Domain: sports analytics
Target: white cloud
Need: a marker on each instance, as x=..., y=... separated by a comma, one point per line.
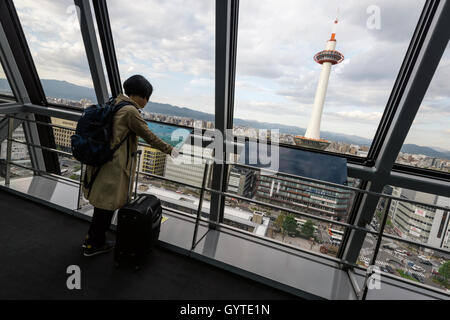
x=359, y=115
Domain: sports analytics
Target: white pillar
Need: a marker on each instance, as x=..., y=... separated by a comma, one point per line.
x=313, y=130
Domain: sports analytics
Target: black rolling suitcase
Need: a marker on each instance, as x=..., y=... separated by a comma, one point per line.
x=138, y=226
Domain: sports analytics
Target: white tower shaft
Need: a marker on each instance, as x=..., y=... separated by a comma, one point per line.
x=313, y=130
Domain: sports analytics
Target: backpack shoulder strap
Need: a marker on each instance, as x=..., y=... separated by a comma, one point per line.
x=121, y=104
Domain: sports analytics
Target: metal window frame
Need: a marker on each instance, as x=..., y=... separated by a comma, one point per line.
x=18, y=87
x=92, y=50
x=227, y=16
x=26, y=68
x=109, y=52
x=434, y=42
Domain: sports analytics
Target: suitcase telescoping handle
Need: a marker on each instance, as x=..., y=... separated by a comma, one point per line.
x=138, y=152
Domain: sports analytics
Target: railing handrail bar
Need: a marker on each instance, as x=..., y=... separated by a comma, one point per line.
x=42, y=147
x=41, y=123
x=46, y=173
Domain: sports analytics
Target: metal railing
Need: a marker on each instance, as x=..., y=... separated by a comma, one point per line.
x=199, y=220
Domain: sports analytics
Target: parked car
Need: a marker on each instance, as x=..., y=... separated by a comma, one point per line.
x=394, y=262
x=426, y=262
x=418, y=268
x=387, y=269
x=400, y=252
x=435, y=271
x=417, y=277
x=390, y=269
x=390, y=246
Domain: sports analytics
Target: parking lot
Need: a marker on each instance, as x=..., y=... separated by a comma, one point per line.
x=389, y=260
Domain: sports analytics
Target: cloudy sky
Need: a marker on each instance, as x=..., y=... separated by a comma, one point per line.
x=172, y=43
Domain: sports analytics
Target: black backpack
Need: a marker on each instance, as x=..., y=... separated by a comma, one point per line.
x=91, y=141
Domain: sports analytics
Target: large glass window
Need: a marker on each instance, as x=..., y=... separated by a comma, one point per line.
x=277, y=77
x=171, y=43
x=53, y=34
x=5, y=89
x=428, y=142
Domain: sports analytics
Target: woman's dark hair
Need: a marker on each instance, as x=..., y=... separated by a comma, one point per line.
x=137, y=85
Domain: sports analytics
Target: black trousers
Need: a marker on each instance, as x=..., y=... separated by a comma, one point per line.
x=100, y=223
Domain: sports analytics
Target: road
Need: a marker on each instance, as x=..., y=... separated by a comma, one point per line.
x=394, y=260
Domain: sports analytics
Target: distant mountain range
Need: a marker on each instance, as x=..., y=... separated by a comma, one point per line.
x=64, y=89
x=431, y=152
x=60, y=89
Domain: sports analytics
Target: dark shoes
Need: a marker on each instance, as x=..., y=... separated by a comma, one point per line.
x=85, y=243
x=89, y=250
x=92, y=251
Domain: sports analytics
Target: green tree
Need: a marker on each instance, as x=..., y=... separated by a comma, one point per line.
x=279, y=222
x=444, y=271
x=308, y=229
x=289, y=225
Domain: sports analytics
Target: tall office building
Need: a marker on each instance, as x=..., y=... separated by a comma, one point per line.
x=420, y=223
x=326, y=58
x=440, y=229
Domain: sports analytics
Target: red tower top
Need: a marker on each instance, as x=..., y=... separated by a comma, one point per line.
x=332, y=56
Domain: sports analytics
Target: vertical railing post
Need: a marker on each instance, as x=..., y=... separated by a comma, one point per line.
x=200, y=204
x=9, y=150
x=377, y=248
x=80, y=186
x=139, y=154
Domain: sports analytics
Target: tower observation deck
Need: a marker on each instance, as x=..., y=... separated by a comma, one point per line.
x=326, y=58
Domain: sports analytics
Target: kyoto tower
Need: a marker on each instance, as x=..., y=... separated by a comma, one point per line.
x=326, y=58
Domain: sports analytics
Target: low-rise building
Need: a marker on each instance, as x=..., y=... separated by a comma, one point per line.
x=152, y=160
x=62, y=135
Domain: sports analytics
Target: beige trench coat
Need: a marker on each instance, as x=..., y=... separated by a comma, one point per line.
x=110, y=188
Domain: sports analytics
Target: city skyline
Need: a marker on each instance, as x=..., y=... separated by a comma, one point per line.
x=286, y=137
